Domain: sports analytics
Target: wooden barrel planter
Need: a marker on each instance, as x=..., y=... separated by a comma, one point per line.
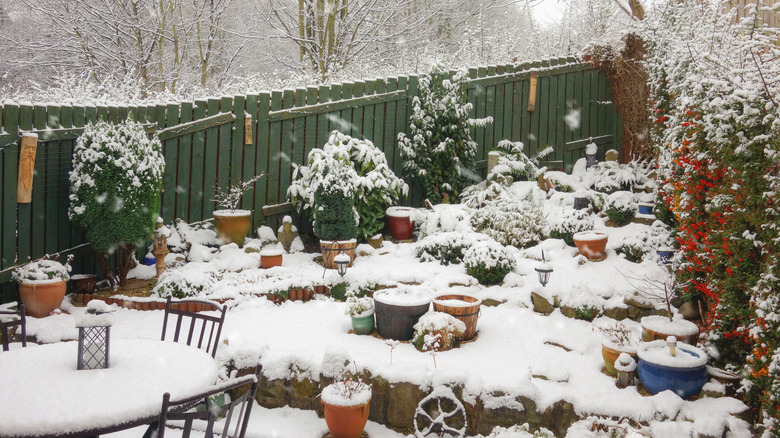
x=463, y=307
x=331, y=248
x=397, y=313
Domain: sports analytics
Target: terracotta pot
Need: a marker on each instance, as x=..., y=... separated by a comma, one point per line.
x=270, y=258
x=401, y=225
x=610, y=355
x=468, y=312
x=591, y=244
x=40, y=299
x=345, y=421
x=83, y=283
x=658, y=327
x=232, y=227
x=331, y=248
x=300, y=294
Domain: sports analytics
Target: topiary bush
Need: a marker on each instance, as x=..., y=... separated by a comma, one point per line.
x=375, y=186
x=115, y=190
x=569, y=222
x=488, y=261
x=335, y=215
x=620, y=207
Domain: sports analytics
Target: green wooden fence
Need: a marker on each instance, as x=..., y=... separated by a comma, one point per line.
x=204, y=143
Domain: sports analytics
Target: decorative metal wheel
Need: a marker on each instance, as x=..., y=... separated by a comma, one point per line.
x=440, y=414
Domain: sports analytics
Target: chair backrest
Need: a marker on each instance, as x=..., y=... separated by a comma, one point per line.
x=195, y=328
x=12, y=318
x=203, y=411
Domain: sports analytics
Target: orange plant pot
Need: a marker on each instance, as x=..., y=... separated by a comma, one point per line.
x=40, y=299
x=591, y=244
x=610, y=355
x=232, y=227
x=270, y=258
x=345, y=421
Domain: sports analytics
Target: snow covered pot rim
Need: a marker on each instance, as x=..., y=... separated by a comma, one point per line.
x=590, y=235
x=457, y=300
x=271, y=252
x=228, y=213
x=657, y=353
x=398, y=211
x=347, y=393
x=677, y=327
x=402, y=297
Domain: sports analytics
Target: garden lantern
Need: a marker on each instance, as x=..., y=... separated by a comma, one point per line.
x=625, y=365
x=590, y=155
x=342, y=261
x=544, y=270
x=94, y=334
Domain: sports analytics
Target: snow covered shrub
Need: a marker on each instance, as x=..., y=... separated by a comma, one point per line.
x=511, y=221
x=568, y=222
x=436, y=331
x=488, y=261
x=45, y=269
x=446, y=218
x=597, y=201
x=115, y=190
x=645, y=244
x=193, y=280
x=374, y=186
x=610, y=176
x=448, y=247
x=339, y=292
x=439, y=152
x=513, y=162
x=359, y=307
x=620, y=207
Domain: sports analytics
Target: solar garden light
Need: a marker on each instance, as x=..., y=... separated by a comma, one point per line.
x=590, y=155
x=94, y=333
x=626, y=370
x=544, y=270
x=342, y=261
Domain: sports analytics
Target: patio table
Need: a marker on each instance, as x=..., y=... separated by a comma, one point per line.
x=43, y=394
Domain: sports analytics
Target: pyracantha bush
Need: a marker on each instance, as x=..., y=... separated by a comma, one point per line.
x=439, y=153
x=511, y=221
x=373, y=184
x=488, y=261
x=115, y=190
x=620, y=207
x=447, y=248
x=512, y=161
x=192, y=280
x=568, y=222
x=43, y=270
x=436, y=331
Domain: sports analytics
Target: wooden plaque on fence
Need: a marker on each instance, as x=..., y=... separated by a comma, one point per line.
x=24, y=182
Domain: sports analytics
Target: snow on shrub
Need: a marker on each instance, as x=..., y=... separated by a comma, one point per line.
x=448, y=247
x=439, y=153
x=488, y=261
x=513, y=162
x=568, y=221
x=620, y=207
x=644, y=245
x=192, y=280
x=366, y=177
x=445, y=218
x=436, y=331
x=115, y=190
x=510, y=220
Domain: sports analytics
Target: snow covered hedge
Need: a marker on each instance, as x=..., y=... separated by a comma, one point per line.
x=362, y=174
x=115, y=189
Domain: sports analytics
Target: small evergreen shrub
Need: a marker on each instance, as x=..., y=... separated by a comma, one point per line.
x=115, y=190
x=446, y=248
x=436, y=331
x=569, y=222
x=511, y=221
x=620, y=207
x=512, y=161
x=644, y=245
x=488, y=261
x=339, y=291
x=335, y=216
x=192, y=280
x=586, y=312
x=446, y=218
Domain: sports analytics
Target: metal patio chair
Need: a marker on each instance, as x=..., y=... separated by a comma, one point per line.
x=13, y=319
x=195, y=328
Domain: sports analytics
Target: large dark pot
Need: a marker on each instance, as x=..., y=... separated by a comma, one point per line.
x=395, y=319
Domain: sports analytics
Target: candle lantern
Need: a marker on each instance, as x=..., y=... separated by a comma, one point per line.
x=544, y=270
x=625, y=365
x=94, y=335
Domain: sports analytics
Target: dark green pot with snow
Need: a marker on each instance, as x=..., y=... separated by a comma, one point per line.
x=363, y=325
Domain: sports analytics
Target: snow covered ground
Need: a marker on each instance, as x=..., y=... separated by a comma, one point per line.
x=517, y=350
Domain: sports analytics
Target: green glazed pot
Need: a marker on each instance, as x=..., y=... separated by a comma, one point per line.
x=363, y=325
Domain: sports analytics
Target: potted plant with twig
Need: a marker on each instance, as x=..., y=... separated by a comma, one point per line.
x=345, y=404
x=42, y=285
x=617, y=339
x=231, y=223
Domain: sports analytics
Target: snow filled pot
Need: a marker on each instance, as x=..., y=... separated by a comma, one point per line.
x=345, y=406
x=685, y=373
x=331, y=248
x=270, y=258
x=363, y=325
x=397, y=311
x=401, y=223
x=232, y=225
x=462, y=307
x=659, y=327
x=591, y=244
x=42, y=297
x=611, y=351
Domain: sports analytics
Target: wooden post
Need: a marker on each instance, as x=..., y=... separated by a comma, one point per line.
x=26, y=168
x=532, y=93
x=248, y=129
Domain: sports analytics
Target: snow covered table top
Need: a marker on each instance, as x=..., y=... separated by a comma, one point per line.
x=45, y=395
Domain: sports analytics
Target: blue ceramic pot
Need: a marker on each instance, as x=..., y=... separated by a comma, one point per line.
x=685, y=380
x=645, y=208
x=150, y=261
x=665, y=256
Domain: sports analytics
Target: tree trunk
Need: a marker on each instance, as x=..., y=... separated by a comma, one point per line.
x=102, y=259
x=125, y=261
